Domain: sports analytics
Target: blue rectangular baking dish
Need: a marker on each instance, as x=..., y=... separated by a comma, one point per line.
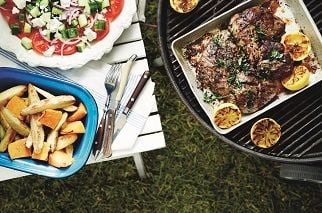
x=10, y=77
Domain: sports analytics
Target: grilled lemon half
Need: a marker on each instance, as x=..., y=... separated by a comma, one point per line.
x=183, y=6
x=298, y=79
x=297, y=44
x=226, y=115
x=265, y=133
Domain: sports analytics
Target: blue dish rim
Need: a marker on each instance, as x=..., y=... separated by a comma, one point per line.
x=54, y=85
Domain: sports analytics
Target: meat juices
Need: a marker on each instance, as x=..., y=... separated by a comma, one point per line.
x=245, y=63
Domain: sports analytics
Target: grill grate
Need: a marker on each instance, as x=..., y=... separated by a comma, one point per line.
x=300, y=116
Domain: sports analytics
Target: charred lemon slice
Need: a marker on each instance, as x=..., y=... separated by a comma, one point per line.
x=297, y=44
x=183, y=6
x=265, y=133
x=298, y=79
x=226, y=115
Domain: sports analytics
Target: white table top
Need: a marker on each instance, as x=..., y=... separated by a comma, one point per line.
x=151, y=137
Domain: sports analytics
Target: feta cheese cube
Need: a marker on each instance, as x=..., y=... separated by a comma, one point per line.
x=20, y=3
x=15, y=10
x=90, y=34
x=46, y=17
x=53, y=25
x=100, y=17
x=38, y=22
x=65, y=3
x=49, y=52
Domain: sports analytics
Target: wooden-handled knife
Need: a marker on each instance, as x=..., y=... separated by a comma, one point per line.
x=122, y=118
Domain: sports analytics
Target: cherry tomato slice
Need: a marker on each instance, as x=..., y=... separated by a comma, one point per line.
x=114, y=9
x=39, y=44
x=6, y=10
x=69, y=49
x=101, y=34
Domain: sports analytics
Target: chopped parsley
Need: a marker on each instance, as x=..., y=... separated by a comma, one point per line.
x=220, y=62
x=217, y=40
x=265, y=74
x=233, y=80
x=210, y=97
x=275, y=55
x=243, y=64
x=260, y=33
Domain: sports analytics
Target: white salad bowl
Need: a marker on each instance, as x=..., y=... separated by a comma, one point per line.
x=12, y=44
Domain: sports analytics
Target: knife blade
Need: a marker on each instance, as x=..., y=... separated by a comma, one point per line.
x=115, y=100
x=122, y=118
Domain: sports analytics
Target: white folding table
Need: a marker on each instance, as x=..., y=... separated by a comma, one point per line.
x=151, y=137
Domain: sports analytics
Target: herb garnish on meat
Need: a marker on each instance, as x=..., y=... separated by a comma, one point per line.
x=210, y=97
x=260, y=33
x=234, y=80
x=243, y=64
x=217, y=41
x=275, y=55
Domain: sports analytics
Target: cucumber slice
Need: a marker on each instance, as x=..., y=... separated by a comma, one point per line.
x=15, y=29
x=99, y=25
x=35, y=12
x=56, y=11
x=82, y=20
x=43, y=3
x=26, y=43
x=21, y=17
x=72, y=32
x=80, y=47
x=74, y=22
x=27, y=28
x=82, y=3
x=2, y=2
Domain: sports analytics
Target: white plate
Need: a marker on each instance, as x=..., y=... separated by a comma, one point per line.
x=12, y=44
x=292, y=9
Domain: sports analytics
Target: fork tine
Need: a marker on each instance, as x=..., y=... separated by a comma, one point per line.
x=117, y=73
x=110, y=73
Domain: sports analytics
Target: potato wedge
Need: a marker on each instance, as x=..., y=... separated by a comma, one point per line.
x=56, y=102
x=53, y=134
x=29, y=141
x=19, y=126
x=2, y=132
x=17, y=149
x=6, y=95
x=37, y=133
x=79, y=114
x=33, y=96
x=8, y=138
x=73, y=127
x=43, y=92
x=70, y=150
x=65, y=140
x=60, y=159
x=15, y=105
x=3, y=121
x=48, y=95
x=71, y=108
x=43, y=155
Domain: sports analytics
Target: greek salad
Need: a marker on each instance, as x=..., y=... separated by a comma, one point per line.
x=61, y=27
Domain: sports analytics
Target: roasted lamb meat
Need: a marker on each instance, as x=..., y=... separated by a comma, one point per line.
x=244, y=63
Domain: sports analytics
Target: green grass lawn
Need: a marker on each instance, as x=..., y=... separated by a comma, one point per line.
x=195, y=173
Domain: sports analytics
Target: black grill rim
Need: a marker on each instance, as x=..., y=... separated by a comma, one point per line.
x=163, y=46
